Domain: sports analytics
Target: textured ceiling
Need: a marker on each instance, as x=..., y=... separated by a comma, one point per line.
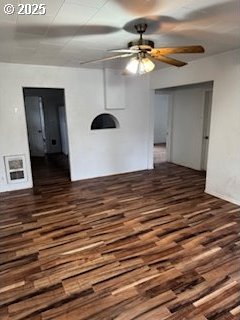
x=79, y=30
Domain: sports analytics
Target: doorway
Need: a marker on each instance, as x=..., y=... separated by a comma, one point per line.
x=47, y=134
x=185, y=125
x=161, y=129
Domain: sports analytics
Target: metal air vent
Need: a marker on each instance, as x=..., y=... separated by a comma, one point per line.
x=15, y=168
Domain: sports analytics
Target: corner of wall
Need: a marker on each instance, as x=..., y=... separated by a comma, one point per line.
x=221, y=196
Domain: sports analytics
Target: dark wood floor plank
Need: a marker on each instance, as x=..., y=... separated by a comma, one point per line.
x=142, y=245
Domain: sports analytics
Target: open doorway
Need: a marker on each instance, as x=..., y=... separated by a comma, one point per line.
x=161, y=124
x=182, y=117
x=47, y=134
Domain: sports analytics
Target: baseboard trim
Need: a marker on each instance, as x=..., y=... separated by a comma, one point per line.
x=223, y=197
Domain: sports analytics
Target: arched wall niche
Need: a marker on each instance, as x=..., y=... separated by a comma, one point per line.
x=104, y=121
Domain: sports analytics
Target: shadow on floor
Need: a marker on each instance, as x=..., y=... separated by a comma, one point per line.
x=51, y=169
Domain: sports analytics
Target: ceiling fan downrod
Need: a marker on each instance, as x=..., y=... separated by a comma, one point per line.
x=142, y=44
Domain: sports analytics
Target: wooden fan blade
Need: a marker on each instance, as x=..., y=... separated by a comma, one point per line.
x=63, y=30
x=125, y=50
x=173, y=50
x=174, y=62
x=108, y=58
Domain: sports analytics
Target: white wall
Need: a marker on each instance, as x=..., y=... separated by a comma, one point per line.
x=223, y=169
x=92, y=153
x=160, y=118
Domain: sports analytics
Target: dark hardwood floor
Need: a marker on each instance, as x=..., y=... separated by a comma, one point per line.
x=145, y=245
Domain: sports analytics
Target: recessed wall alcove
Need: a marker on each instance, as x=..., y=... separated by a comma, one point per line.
x=105, y=121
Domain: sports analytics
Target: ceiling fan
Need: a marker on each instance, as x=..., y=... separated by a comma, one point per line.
x=143, y=49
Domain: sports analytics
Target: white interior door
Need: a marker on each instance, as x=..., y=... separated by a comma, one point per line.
x=35, y=126
x=206, y=128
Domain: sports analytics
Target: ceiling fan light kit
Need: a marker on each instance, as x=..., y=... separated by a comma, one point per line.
x=140, y=65
x=143, y=50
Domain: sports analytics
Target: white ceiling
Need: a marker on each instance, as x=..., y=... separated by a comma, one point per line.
x=80, y=30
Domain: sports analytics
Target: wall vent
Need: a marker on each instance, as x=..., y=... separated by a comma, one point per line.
x=15, y=168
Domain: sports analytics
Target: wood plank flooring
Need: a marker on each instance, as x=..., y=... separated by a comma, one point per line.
x=145, y=245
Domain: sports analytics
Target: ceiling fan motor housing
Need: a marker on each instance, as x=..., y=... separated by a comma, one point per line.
x=142, y=44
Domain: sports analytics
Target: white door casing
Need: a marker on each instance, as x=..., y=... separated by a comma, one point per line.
x=206, y=128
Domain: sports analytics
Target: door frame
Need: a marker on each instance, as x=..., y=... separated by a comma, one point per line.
x=207, y=113
x=25, y=117
x=169, y=128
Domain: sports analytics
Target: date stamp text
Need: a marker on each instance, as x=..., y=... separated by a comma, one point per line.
x=25, y=9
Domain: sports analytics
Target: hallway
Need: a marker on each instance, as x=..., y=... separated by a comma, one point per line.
x=159, y=153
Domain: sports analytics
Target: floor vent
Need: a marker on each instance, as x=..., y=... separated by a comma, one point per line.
x=15, y=169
